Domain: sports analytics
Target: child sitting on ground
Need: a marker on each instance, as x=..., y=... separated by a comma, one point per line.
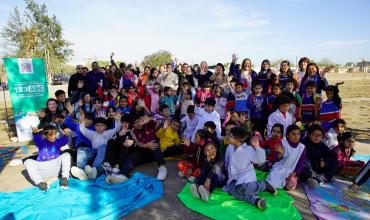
x=331, y=137
x=284, y=174
x=212, y=174
x=190, y=167
x=242, y=183
x=49, y=161
x=99, y=140
x=274, y=149
x=169, y=140
x=344, y=152
x=321, y=163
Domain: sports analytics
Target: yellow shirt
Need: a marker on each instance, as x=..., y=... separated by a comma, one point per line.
x=167, y=138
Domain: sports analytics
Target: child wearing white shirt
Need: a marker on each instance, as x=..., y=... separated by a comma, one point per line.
x=242, y=183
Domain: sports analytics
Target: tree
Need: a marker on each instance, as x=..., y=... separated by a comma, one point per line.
x=157, y=59
x=36, y=34
x=325, y=62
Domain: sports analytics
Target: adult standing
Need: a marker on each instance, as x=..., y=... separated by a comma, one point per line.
x=313, y=75
x=219, y=77
x=245, y=74
x=94, y=78
x=169, y=78
x=75, y=79
x=204, y=75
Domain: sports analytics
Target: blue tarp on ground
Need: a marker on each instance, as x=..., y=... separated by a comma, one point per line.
x=82, y=200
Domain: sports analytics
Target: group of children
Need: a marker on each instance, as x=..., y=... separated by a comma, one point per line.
x=224, y=125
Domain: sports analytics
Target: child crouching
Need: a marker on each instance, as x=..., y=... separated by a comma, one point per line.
x=49, y=161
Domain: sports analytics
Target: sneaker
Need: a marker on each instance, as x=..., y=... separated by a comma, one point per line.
x=261, y=203
x=107, y=167
x=43, y=186
x=64, y=183
x=79, y=173
x=194, y=191
x=162, y=172
x=271, y=189
x=312, y=183
x=115, y=171
x=192, y=179
x=203, y=193
x=115, y=178
x=180, y=174
x=91, y=172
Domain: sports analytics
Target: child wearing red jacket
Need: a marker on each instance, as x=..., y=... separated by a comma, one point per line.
x=190, y=167
x=273, y=147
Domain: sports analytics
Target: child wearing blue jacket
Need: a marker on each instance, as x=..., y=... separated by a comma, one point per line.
x=256, y=105
x=50, y=162
x=169, y=99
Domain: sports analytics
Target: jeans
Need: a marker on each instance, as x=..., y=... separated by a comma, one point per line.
x=247, y=191
x=85, y=154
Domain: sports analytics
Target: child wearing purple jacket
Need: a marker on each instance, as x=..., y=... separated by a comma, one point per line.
x=49, y=161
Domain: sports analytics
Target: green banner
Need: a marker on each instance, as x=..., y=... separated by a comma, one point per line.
x=28, y=91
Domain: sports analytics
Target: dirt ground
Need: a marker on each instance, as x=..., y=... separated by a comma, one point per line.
x=356, y=111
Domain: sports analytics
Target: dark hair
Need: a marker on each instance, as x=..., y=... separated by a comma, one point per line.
x=310, y=84
x=336, y=98
x=151, y=75
x=126, y=118
x=59, y=92
x=342, y=137
x=257, y=83
x=163, y=107
x=166, y=89
x=231, y=123
x=239, y=84
x=190, y=109
x=210, y=102
x=206, y=84
x=313, y=128
x=239, y=133
x=48, y=128
x=210, y=124
x=303, y=59
x=100, y=120
x=265, y=61
x=276, y=85
x=282, y=99
x=290, y=73
x=338, y=121
x=89, y=115
x=280, y=126
x=292, y=128
x=221, y=65
x=97, y=98
x=291, y=80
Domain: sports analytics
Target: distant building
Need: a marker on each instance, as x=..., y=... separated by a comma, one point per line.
x=364, y=66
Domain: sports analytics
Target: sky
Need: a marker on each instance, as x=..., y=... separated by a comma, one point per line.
x=212, y=30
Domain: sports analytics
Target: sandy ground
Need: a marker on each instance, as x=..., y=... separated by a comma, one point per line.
x=356, y=97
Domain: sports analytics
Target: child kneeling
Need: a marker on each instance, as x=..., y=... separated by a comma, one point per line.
x=242, y=183
x=212, y=174
x=49, y=161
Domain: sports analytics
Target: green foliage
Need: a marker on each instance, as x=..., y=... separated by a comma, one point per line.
x=36, y=34
x=325, y=62
x=157, y=59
